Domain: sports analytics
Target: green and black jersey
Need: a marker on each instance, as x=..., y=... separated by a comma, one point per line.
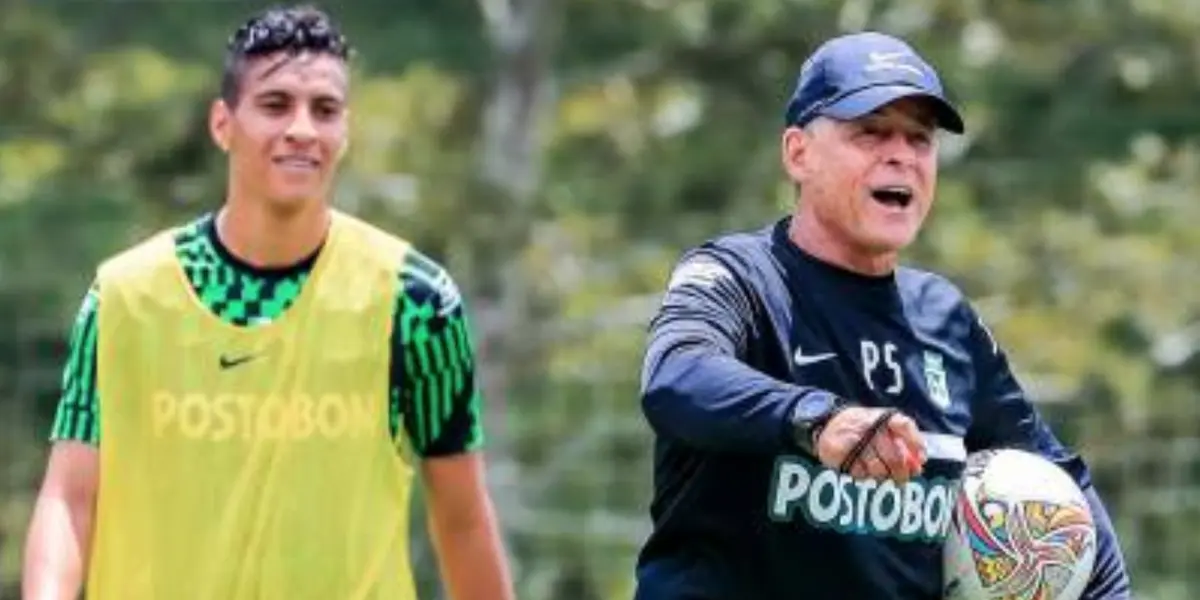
x=437, y=420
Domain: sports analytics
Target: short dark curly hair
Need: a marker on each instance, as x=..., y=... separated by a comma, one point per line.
x=295, y=29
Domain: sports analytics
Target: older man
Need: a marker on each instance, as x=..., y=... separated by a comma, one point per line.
x=813, y=401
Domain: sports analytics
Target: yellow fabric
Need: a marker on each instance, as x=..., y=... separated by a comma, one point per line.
x=274, y=478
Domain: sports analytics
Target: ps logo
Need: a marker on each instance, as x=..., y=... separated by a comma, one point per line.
x=873, y=357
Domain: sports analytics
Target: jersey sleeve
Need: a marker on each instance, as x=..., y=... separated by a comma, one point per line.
x=435, y=395
x=1005, y=417
x=697, y=384
x=77, y=416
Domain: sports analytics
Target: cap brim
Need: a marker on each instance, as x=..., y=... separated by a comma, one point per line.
x=870, y=99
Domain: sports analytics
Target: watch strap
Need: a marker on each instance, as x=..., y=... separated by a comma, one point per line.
x=807, y=426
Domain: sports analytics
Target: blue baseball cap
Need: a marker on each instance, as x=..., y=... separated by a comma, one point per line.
x=852, y=75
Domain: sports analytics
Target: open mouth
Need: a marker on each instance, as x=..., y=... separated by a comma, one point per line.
x=898, y=196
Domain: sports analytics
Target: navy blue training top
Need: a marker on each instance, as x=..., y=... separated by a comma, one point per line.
x=749, y=325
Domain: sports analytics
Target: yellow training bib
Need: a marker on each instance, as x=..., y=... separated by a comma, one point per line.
x=250, y=463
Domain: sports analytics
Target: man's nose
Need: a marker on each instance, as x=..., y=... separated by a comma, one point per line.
x=301, y=128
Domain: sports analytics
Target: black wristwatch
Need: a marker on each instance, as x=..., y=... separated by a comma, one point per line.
x=810, y=416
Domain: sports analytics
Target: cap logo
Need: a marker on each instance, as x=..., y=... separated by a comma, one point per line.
x=886, y=61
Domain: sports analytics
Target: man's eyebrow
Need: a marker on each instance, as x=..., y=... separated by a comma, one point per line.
x=272, y=94
x=319, y=97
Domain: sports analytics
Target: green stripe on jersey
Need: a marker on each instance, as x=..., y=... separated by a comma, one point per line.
x=75, y=418
x=438, y=360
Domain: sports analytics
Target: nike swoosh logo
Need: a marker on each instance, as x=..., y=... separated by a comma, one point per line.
x=229, y=363
x=803, y=359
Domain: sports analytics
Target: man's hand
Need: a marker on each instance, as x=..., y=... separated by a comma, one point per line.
x=896, y=451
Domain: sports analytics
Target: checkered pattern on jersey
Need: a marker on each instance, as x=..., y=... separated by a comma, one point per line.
x=236, y=295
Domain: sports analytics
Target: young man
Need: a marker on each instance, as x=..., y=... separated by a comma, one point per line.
x=248, y=395
x=776, y=352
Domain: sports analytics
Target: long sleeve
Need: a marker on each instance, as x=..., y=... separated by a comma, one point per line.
x=696, y=386
x=1005, y=417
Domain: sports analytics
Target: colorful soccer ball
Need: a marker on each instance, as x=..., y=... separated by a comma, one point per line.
x=1021, y=529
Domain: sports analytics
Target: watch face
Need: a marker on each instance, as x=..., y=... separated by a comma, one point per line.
x=812, y=409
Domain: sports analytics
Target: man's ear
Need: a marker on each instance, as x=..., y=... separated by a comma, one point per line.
x=794, y=152
x=220, y=119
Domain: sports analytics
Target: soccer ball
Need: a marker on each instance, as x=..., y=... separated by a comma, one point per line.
x=1021, y=529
